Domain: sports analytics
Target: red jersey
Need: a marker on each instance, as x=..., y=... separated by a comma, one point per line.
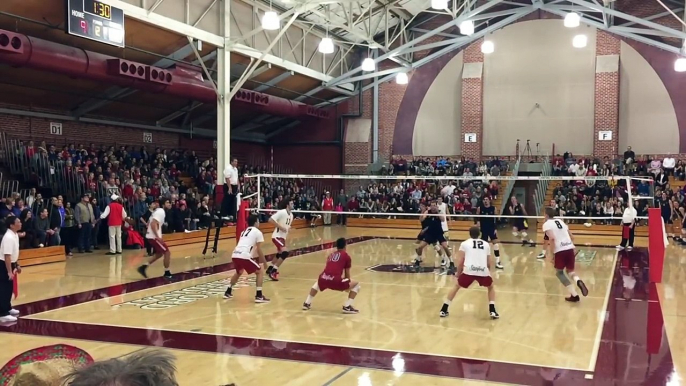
x=336, y=265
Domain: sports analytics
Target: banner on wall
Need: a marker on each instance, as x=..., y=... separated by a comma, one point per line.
x=55, y=128
x=147, y=137
x=470, y=138
x=605, y=135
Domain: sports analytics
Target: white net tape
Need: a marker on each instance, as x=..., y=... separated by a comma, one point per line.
x=412, y=211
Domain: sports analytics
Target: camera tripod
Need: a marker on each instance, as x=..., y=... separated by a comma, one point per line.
x=527, y=150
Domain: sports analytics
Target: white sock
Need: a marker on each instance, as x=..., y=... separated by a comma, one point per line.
x=447, y=301
x=492, y=302
x=497, y=259
x=575, y=277
x=349, y=302
x=276, y=269
x=309, y=299
x=572, y=290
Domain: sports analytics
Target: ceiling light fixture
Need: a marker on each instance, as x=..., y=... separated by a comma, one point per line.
x=368, y=65
x=580, y=41
x=487, y=47
x=467, y=27
x=572, y=20
x=401, y=78
x=270, y=21
x=326, y=46
x=680, y=65
x=439, y=4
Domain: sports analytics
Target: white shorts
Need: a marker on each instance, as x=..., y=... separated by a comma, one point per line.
x=444, y=225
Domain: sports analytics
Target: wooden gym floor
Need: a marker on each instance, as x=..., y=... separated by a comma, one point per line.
x=614, y=336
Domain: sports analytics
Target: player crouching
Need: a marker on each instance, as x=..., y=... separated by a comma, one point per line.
x=473, y=265
x=336, y=277
x=242, y=258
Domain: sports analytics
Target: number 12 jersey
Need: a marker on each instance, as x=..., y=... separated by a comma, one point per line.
x=476, y=253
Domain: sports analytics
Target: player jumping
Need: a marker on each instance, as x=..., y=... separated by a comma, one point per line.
x=474, y=263
x=154, y=237
x=560, y=241
x=520, y=225
x=242, y=258
x=282, y=220
x=488, y=228
x=336, y=277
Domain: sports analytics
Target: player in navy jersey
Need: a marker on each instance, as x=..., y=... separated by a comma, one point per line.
x=489, y=233
x=520, y=225
x=432, y=232
x=336, y=277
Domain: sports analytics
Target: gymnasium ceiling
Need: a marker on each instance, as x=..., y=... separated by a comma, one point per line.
x=391, y=27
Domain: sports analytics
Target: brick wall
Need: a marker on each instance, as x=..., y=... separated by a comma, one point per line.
x=606, y=94
x=472, y=104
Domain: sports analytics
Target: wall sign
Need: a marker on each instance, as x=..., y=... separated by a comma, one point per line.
x=470, y=138
x=605, y=135
x=55, y=128
x=147, y=137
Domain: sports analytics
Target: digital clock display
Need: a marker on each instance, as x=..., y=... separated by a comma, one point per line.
x=96, y=20
x=98, y=8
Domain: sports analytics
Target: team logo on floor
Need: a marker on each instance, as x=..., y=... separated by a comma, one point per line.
x=401, y=268
x=188, y=295
x=585, y=256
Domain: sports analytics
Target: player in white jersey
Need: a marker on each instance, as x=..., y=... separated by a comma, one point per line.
x=248, y=246
x=442, y=208
x=282, y=220
x=473, y=265
x=154, y=237
x=561, y=244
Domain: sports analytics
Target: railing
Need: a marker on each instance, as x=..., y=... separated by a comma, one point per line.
x=510, y=186
x=542, y=186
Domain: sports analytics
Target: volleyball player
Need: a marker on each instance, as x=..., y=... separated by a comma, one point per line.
x=431, y=233
x=520, y=225
x=242, y=258
x=560, y=242
x=474, y=263
x=154, y=237
x=282, y=220
x=488, y=229
x=336, y=277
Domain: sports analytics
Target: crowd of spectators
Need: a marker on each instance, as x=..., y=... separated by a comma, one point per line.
x=608, y=198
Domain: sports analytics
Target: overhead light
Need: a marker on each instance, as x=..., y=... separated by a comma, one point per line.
x=326, y=46
x=368, y=64
x=270, y=21
x=487, y=47
x=401, y=78
x=572, y=20
x=680, y=65
x=439, y=4
x=580, y=41
x=467, y=27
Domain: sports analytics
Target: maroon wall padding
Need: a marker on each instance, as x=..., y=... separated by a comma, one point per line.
x=184, y=81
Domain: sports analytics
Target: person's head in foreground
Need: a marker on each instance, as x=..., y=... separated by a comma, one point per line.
x=146, y=368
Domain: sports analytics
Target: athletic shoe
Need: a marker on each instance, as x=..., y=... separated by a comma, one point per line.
x=532, y=244
x=573, y=299
x=142, y=270
x=350, y=310
x=541, y=255
x=524, y=243
x=494, y=315
x=619, y=248
x=582, y=287
x=274, y=275
x=14, y=312
x=261, y=299
x=444, y=314
x=632, y=248
x=8, y=319
x=228, y=295
x=499, y=266
x=168, y=276
x=452, y=270
x=306, y=306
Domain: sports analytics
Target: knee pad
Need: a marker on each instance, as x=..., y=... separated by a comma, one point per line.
x=524, y=234
x=356, y=288
x=437, y=247
x=515, y=233
x=562, y=277
x=316, y=286
x=283, y=255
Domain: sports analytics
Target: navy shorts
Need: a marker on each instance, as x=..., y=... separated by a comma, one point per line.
x=489, y=234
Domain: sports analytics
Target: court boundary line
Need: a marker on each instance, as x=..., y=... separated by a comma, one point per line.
x=601, y=322
x=324, y=345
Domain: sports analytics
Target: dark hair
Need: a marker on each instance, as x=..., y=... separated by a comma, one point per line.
x=85, y=195
x=340, y=243
x=146, y=368
x=284, y=203
x=550, y=212
x=163, y=201
x=9, y=220
x=474, y=232
x=252, y=219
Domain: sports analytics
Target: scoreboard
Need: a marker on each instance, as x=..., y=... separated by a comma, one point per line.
x=96, y=20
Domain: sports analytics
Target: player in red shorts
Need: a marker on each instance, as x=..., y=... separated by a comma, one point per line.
x=282, y=220
x=242, y=258
x=154, y=236
x=473, y=265
x=336, y=277
x=560, y=242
